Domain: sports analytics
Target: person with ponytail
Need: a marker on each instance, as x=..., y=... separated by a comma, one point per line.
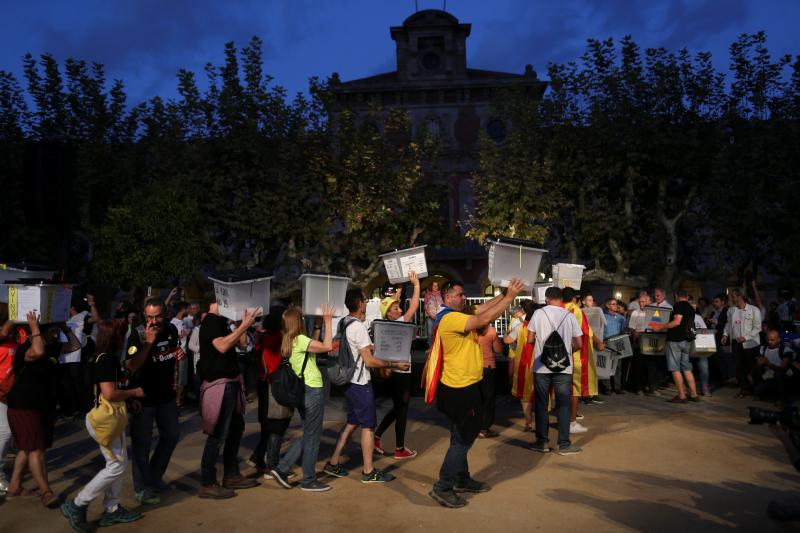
x=301, y=351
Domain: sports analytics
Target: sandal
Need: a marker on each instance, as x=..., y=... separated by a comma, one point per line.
x=50, y=500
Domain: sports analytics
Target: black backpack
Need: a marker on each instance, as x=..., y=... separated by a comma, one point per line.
x=342, y=366
x=288, y=388
x=555, y=356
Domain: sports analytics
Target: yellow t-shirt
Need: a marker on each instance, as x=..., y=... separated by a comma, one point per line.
x=463, y=359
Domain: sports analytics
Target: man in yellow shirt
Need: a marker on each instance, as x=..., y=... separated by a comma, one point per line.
x=458, y=390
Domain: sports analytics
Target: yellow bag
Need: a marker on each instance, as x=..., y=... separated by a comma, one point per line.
x=108, y=419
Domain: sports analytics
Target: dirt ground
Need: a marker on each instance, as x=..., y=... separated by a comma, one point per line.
x=647, y=465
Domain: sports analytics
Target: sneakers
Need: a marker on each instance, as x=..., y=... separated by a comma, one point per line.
x=569, y=450
x=215, y=492
x=120, y=516
x=448, y=498
x=76, y=516
x=577, y=427
x=315, y=486
x=268, y=474
x=405, y=453
x=471, y=485
x=334, y=470
x=677, y=399
x=694, y=398
x=596, y=400
x=162, y=487
x=377, y=476
x=487, y=434
x=378, y=447
x=147, y=497
x=238, y=482
x=281, y=478
x=540, y=447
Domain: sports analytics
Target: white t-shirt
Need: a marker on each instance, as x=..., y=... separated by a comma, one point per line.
x=358, y=338
x=665, y=304
x=75, y=323
x=773, y=355
x=543, y=325
x=633, y=306
x=180, y=325
x=699, y=323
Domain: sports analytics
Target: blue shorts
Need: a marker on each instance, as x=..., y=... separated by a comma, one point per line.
x=361, y=406
x=678, y=356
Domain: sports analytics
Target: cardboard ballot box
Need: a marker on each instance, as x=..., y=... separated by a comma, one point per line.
x=240, y=290
x=538, y=292
x=653, y=343
x=51, y=301
x=596, y=320
x=704, y=343
x=400, y=262
x=606, y=363
x=393, y=339
x=513, y=258
x=568, y=275
x=656, y=315
x=619, y=345
x=13, y=272
x=319, y=289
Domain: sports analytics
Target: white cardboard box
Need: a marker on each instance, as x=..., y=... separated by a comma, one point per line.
x=400, y=262
x=236, y=292
x=393, y=339
x=50, y=301
x=511, y=258
x=319, y=289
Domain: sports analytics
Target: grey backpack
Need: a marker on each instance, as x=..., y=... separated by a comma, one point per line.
x=343, y=365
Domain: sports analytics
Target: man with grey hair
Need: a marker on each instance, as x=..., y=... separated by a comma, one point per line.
x=742, y=332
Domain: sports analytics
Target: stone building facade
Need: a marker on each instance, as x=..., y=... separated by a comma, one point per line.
x=433, y=83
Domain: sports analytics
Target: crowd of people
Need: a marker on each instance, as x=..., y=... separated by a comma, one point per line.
x=126, y=375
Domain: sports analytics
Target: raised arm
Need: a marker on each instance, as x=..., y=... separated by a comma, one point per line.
x=224, y=344
x=497, y=307
x=414, y=305
x=326, y=345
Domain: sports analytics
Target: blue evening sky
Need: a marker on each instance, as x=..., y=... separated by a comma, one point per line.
x=145, y=42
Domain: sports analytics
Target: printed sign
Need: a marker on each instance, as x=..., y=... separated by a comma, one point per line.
x=393, y=340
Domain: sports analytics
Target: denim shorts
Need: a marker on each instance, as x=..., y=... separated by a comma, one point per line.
x=678, y=356
x=361, y=405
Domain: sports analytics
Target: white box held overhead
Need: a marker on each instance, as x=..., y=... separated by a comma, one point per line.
x=400, y=262
x=10, y=272
x=568, y=275
x=514, y=258
x=50, y=301
x=393, y=339
x=237, y=291
x=321, y=289
x=538, y=292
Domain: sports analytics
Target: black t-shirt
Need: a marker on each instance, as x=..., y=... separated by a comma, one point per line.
x=107, y=368
x=214, y=365
x=156, y=376
x=679, y=333
x=34, y=381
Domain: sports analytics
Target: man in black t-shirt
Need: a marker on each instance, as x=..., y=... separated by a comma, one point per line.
x=222, y=393
x=152, y=355
x=680, y=334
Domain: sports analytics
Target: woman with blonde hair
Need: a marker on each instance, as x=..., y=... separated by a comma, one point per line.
x=301, y=351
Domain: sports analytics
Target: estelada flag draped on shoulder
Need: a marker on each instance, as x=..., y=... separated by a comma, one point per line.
x=433, y=366
x=522, y=380
x=584, y=369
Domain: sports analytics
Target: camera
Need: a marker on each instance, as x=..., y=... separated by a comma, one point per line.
x=789, y=418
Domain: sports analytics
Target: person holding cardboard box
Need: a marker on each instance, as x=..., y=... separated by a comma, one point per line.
x=222, y=402
x=400, y=379
x=453, y=373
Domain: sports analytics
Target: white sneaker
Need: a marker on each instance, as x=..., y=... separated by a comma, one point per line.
x=576, y=427
x=3, y=485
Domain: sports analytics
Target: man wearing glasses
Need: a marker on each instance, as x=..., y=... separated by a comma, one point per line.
x=152, y=354
x=459, y=387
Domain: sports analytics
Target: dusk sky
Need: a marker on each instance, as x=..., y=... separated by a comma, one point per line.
x=145, y=42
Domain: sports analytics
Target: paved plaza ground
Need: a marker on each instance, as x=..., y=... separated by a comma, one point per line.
x=647, y=465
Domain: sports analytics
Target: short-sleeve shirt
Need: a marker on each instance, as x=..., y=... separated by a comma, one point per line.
x=679, y=333
x=312, y=375
x=213, y=364
x=615, y=324
x=773, y=355
x=463, y=359
x=156, y=376
x=636, y=321
x=358, y=338
x=107, y=369
x=544, y=320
